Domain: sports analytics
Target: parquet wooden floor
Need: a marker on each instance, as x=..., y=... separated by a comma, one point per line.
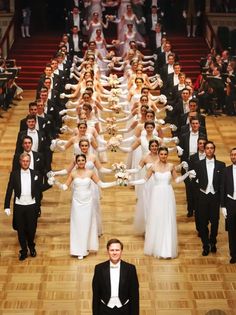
x=54, y=283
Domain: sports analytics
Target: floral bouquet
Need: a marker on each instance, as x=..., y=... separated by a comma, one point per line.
x=113, y=104
x=114, y=142
x=113, y=79
x=122, y=176
x=111, y=129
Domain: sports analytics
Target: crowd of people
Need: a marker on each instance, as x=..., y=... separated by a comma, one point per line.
x=149, y=108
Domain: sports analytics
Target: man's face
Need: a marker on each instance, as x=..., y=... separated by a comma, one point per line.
x=54, y=64
x=40, y=108
x=167, y=47
x=47, y=84
x=195, y=125
x=233, y=156
x=209, y=150
x=75, y=30
x=114, y=252
x=33, y=110
x=31, y=123
x=27, y=145
x=48, y=71
x=201, y=144
x=25, y=162
x=185, y=95
x=192, y=107
x=177, y=69
x=171, y=60
x=44, y=96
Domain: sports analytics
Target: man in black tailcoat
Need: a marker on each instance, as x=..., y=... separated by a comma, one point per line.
x=115, y=284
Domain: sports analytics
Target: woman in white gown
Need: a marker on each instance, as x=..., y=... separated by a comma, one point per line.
x=83, y=225
x=161, y=226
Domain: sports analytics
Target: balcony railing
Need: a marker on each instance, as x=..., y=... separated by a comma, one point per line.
x=8, y=38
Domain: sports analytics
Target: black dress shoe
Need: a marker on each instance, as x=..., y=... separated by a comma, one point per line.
x=213, y=249
x=22, y=256
x=33, y=252
x=233, y=260
x=205, y=252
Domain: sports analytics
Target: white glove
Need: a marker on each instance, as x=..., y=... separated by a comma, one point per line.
x=161, y=121
x=176, y=140
x=143, y=44
x=51, y=181
x=143, y=19
x=62, y=95
x=53, y=145
x=65, y=118
x=64, y=129
x=184, y=14
x=173, y=127
x=7, y=211
x=50, y=174
x=198, y=13
x=192, y=174
x=184, y=165
x=71, y=75
x=179, y=150
x=150, y=68
x=68, y=86
x=155, y=56
x=62, y=112
x=85, y=23
x=169, y=108
x=223, y=211
x=151, y=63
x=162, y=14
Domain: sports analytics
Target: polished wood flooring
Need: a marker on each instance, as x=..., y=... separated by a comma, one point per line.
x=55, y=283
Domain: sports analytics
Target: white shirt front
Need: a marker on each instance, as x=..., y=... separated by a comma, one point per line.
x=210, y=165
x=186, y=107
x=154, y=21
x=34, y=135
x=25, y=197
x=115, y=279
x=170, y=69
x=158, y=40
x=76, y=42
x=234, y=181
x=176, y=79
x=76, y=19
x=201, y=155
x=193, y=142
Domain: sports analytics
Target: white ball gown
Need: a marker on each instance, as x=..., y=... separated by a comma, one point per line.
x=161, y=227
x=83, y=225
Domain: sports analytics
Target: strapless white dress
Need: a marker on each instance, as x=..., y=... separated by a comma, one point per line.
x=161, y=227
x=83, y=225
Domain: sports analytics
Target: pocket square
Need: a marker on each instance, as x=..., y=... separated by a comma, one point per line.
x=35, y=177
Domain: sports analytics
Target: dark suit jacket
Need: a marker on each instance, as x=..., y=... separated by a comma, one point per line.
x=201, y=171
x=14, y=184
x=186, y=128
x=197, y=3
x=22, y=134
x=227, y=187
x=23, y=125
x=183, y=119
x=128, y=286
x=184, y=144
x=38, y=162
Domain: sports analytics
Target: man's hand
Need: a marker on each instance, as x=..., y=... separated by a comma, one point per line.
x=7, y=211
x=224, y=212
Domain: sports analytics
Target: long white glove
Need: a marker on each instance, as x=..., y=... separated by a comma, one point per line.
x=179, y=150
x=62, y=95
x=105, y=170
x=7, y=211
x=224, y=212
x=106, y=185
x=62, y=112
x=184, y=14
x=191, y=174
x=134, y=170
x=137, y=182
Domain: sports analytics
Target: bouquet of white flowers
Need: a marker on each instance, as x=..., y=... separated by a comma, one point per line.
x=122, y=176
x=114, y=142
